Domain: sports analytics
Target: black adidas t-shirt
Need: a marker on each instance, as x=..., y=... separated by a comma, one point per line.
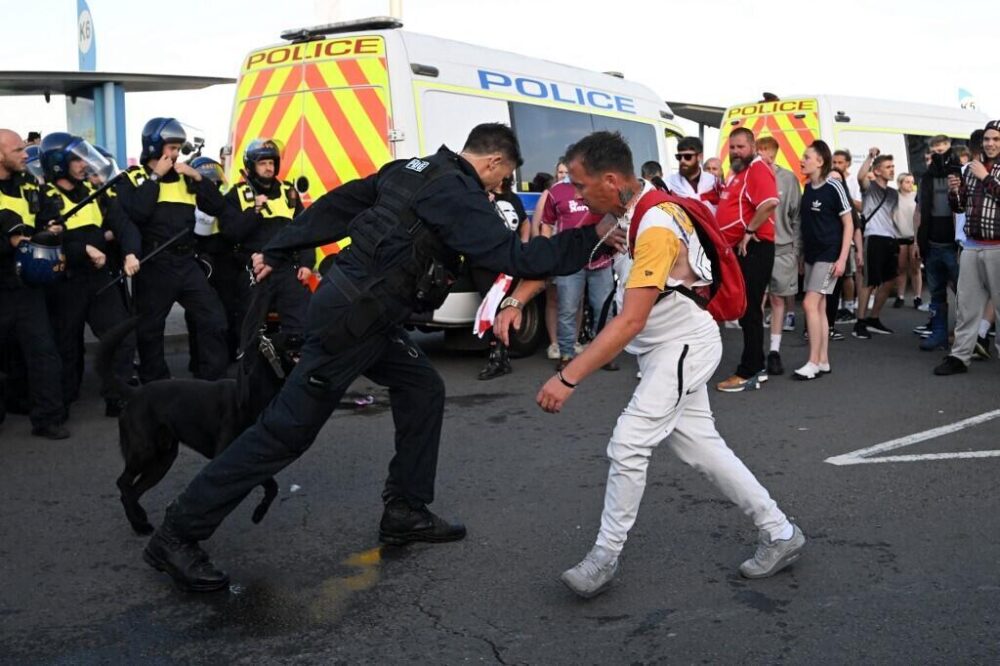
x=820, y=211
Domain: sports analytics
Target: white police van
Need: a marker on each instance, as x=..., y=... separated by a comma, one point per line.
x=345, y=98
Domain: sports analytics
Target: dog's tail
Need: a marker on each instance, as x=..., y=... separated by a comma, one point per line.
x=104, y=362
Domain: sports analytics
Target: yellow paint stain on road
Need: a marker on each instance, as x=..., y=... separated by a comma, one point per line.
x=335, y=592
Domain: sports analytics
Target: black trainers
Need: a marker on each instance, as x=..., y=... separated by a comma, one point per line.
x=50, y=431
x=876, y=326
x=917, y=302
x=898, y=303
x=835, y=334
x=402, y=524
x=184, y=561
x=950, y=366
x=861, y=331
x=498, y=365
x=982, y=349
x=845, y=316
x=774, y=366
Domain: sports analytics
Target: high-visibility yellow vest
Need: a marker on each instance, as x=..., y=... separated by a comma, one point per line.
x=89, y=214
x=282, y=206
x=22, y=205
x=176, y=192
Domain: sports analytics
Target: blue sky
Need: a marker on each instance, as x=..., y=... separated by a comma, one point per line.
x=712, y=51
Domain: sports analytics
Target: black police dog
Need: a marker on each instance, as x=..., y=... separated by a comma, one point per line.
x=204, y=415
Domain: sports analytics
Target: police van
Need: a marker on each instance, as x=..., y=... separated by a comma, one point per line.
x=346, y=98
x=900, y=129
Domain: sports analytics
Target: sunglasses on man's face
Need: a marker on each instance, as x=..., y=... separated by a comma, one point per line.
x=685, y=157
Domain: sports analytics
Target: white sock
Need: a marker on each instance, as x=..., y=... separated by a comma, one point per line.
x=984, y=328
x=785, y=533
x=776, y=341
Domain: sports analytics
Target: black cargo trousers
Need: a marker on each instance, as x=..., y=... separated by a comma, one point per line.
x=346, y=337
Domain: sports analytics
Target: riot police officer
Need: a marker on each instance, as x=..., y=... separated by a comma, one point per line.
x=70, y=165
x=226, y=273
x=22, y=307
x=409, y=224
x=160, y=198
x=261, y=206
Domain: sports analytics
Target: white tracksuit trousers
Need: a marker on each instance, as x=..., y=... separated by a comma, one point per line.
x=671, y=402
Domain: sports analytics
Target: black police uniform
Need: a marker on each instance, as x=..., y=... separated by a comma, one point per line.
x=228, y=276
x=408, y=224
x=75, y=301
x=161, y=208
x=253, y=229
x=23, y=316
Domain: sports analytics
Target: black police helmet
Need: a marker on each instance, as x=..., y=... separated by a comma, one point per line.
x=55, y=154
x=262, y=149
x=209, y=168
x=157, y=133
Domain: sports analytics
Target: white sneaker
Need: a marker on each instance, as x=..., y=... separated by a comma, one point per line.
x=789, y=324
x=577, y=348
x=593, y=574
x=824, y=368
x=553, y=352
x=773, y=556
x=808, y=371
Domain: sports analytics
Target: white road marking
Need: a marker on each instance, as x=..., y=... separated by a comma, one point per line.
x=864, y=456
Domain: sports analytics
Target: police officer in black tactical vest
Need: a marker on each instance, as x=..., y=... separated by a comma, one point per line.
x=160, y=198
x=23, y=316
x=409, y=224
x=261, y=206
x=88, y=239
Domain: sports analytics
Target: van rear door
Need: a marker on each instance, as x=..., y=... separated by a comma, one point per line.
x=794, y=124
x=327, y=103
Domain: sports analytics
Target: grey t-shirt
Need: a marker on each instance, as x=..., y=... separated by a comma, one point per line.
x=881, y=223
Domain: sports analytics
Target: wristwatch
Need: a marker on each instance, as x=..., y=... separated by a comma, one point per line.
x=154, y=176
x=511, y=302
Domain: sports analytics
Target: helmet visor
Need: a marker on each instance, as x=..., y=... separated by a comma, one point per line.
x=34, y=167
x=97, y=166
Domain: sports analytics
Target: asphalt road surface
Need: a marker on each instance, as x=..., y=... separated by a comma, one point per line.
x=900, y=567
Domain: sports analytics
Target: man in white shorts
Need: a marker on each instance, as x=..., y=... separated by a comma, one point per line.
x=678, y=347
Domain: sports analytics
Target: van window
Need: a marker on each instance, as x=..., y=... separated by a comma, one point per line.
x=449, y=117
x=917, y=145
x=545, y=133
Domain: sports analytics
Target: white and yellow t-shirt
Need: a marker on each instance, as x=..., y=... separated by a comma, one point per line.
x=675, y=318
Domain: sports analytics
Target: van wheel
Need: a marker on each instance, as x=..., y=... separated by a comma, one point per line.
x=526, y=341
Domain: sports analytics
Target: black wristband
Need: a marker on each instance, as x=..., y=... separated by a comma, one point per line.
x=565, y=383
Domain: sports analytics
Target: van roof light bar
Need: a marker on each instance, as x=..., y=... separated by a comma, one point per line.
x=372, y=23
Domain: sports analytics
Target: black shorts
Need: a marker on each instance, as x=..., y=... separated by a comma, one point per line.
x=881, y=260
x=905, y=241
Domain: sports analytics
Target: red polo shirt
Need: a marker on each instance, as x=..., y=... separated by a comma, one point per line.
x=741, y=196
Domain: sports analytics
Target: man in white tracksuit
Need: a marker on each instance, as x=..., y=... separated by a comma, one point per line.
x=678, y=348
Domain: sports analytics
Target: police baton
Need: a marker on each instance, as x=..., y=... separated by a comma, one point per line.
x=88, y=199
x=176, y=237
x=253, y=190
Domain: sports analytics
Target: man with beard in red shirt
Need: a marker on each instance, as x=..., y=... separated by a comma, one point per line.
x=746, y=219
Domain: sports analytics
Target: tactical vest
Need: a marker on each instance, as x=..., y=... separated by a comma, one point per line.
x=176, y=192
x=424, y=277
x=88, y=215
x=282, y=206
x=25, y=206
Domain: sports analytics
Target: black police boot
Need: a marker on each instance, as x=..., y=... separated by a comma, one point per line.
x=184, y=561
x=498, y=365
x=402, y=524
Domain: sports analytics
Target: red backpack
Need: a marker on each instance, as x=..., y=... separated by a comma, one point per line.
x=726, y=298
